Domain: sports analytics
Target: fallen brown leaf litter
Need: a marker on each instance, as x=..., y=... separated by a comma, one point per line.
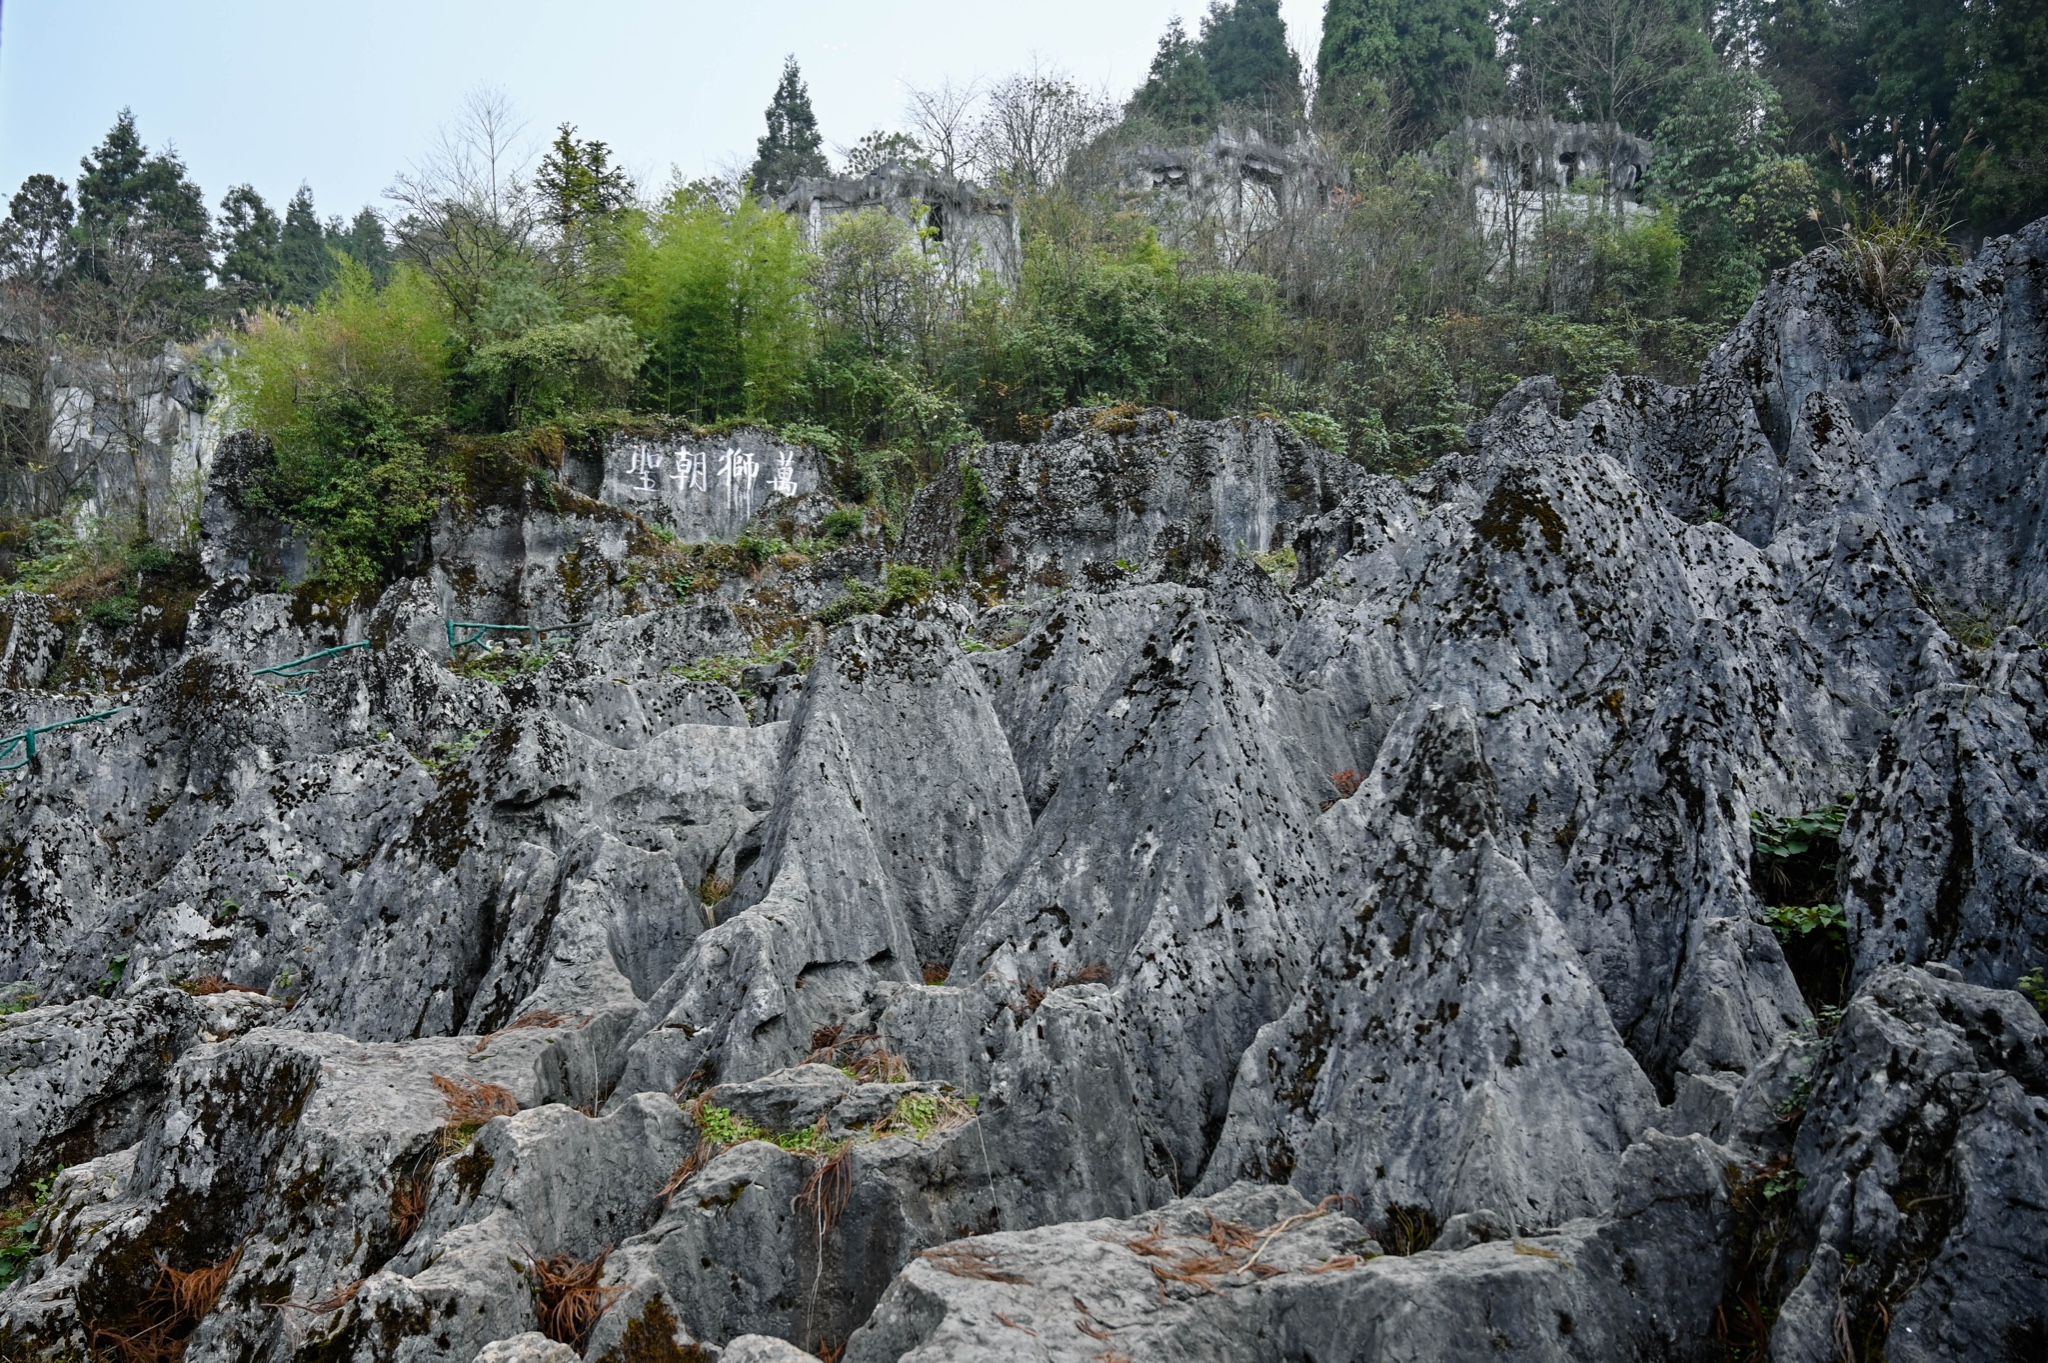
x=967, y=1262
x=1227, y=1249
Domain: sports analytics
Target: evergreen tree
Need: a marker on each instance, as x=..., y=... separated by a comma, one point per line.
x=2003, y=103
x=1177, y=97
x=1427, y=62
x=302, y=251
x=1360, y=55
x=582, y=197
x=792, y=146
x=141, y=217
x=1814, y=55
x=35, y=239
x=1244, y=47
x=578, y=184
x=365, y=243
x=248, y=234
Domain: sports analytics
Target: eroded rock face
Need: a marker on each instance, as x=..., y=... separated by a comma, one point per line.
x=979, y=974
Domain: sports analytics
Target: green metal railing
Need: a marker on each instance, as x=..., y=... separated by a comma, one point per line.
x=306, y=666
x=478, y=631
x=24, y=742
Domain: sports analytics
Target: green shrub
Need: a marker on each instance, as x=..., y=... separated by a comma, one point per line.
x=718, y=294
x=841, y=524
x=357, y=339
x=1319, y=428
x=1800, y=920
x=2034, y=984
x=356, y=471
x=21, y=1228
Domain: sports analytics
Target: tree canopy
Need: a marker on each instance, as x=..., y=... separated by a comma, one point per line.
x=792, y=147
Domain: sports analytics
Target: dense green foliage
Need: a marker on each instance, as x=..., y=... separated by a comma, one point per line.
x=1244, y=47
x=790, y=149
x=497, y=296
x=1178, y=98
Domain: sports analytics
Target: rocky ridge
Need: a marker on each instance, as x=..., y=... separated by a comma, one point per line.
x=1225, y=905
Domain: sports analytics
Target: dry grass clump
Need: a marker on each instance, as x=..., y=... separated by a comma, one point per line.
x=571, y=1299
x=165, y=1319
x=968, y=1261
x=470, y=1104
x=864, y=1055
x=1887, y=251
x=408, y=1207
x=1226, y=1249
x=828, y=1190
x=540, y=1017
x=1033, y=994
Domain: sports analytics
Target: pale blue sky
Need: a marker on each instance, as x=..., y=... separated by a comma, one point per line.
x=344, y=95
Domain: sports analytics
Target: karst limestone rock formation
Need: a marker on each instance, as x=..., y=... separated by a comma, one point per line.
x=1225, y=906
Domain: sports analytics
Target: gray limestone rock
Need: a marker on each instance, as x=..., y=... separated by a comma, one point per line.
x=1924, y=1159
x=81, y=1079
x=1449, y=1052
x=1418, y=871
x=1255, y=1273
x=531, y=1347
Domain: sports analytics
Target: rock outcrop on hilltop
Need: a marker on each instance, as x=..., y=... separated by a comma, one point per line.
x=1194, y=900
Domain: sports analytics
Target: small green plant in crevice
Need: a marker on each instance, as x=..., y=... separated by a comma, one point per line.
x=1977, y=627
x=902, y=584
x=453, y=752
x=1281, y=562
x=111, y=980
x=840, y=525
x=21, y=1228
x=1763, y=1219
x=21, y=1003
x=2034, y=984
x=1784, y=837
x=1793, y=866
x=1790, y=921
x=726, y=669
x=722, y=1126
x=922, y=1115
x=500, y=665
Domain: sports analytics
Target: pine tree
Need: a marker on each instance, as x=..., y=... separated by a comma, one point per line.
x=365, y=243
x=35, y=239
x=791, y=148
x=1428, y=61
x=1244, y=47
x=302, y=251
x=248, y=235
x=110, y=190
x=141, y=215
x=1177, y=97
x=578, y=184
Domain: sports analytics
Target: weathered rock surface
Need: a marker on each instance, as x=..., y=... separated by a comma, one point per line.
x=719, y=977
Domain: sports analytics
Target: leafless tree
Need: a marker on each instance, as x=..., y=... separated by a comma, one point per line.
x=941, y=118
x=1035, y=121
x=1608, y=57
x=465, y=210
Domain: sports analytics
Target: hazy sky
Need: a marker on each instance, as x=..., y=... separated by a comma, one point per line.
x=278, y=91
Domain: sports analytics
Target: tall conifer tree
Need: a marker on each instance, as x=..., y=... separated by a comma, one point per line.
x=302, y=251
x=792, y=147
x=248, y=235
x=1177, y=97
x=1244, y=46
x=1429, y=60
